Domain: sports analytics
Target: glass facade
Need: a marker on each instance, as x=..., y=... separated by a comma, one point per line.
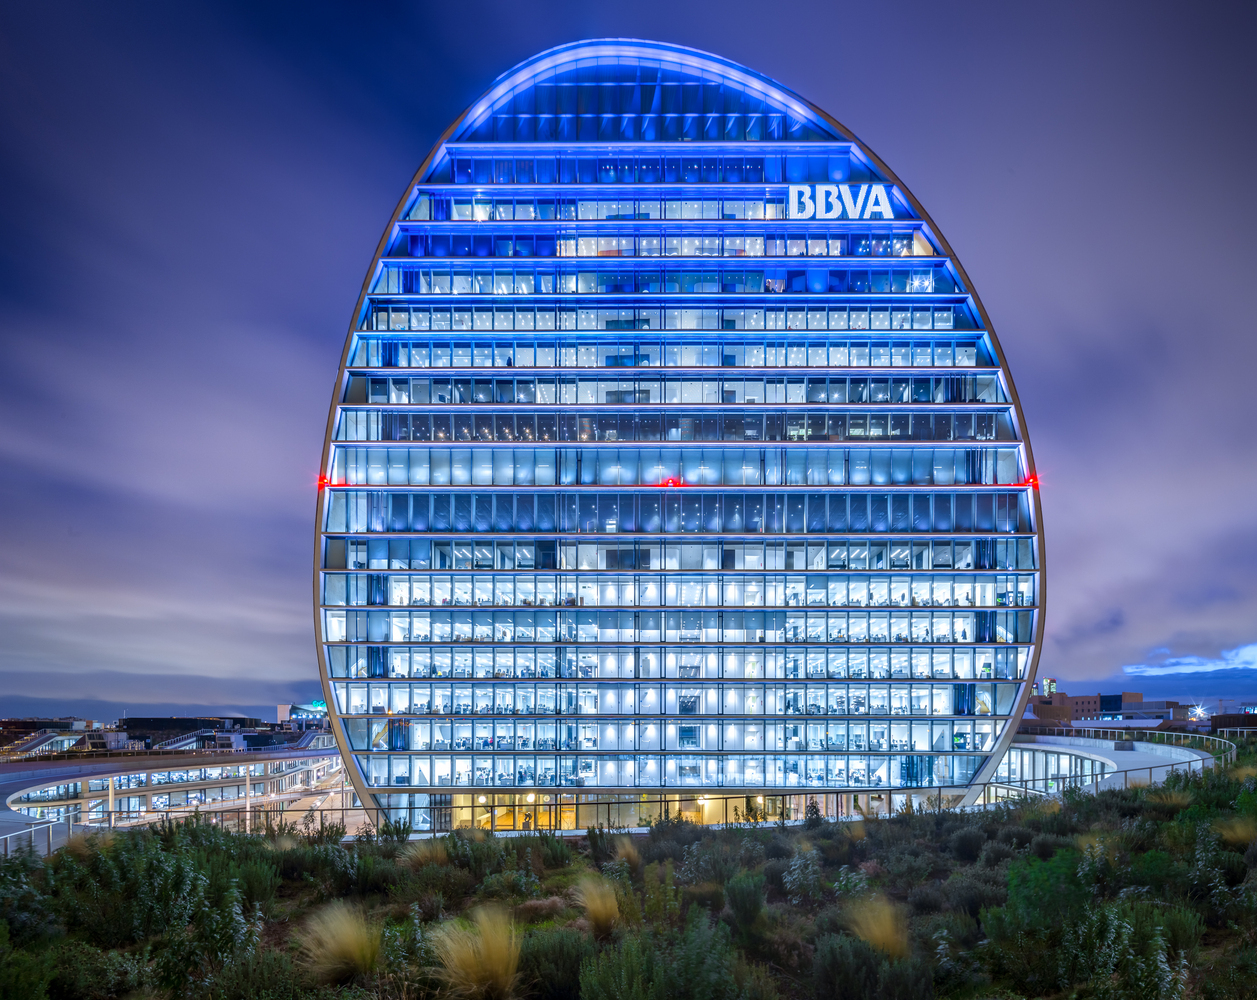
x=672, y=452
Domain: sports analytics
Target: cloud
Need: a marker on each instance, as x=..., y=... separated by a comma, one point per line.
x=1240, y=658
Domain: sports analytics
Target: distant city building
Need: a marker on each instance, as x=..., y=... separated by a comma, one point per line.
x=672, y=452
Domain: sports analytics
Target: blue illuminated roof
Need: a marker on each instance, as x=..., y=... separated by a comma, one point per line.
x=630, y=90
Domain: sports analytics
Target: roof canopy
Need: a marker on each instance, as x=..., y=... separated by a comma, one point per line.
x=628, y=90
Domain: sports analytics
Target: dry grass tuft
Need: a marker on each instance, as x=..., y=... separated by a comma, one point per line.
x=1243, y=772
x=1237, y=830
x=340, y=944
x=418, y=853
x=597, y=897
x=82, y=846
x=879, y=922
x=856, y=830
x=626, y=850
x=1171, y=799
x=480, y=962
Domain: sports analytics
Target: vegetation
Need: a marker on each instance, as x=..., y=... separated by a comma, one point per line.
x=1142, y=894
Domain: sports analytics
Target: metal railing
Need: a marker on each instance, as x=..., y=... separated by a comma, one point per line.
x=308, y=743
x=572, y=818
x=38, y=837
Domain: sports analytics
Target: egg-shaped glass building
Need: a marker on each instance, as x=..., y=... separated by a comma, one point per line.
x=673, y=466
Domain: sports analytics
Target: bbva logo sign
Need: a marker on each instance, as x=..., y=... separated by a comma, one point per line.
x=840, y=201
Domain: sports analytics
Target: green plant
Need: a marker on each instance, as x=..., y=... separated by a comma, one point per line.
x=745, y=895
x=661, y=902
x=710, y=895
x=802, y=879
x=395, y=831
x=812, y=818
x=601, y=844
x=87, y=973
x=23, y=974
x=967, y=843
x=845, y=968
x=550, y=962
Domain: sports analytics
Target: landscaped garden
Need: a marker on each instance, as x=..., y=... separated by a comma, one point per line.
x=1140, y=894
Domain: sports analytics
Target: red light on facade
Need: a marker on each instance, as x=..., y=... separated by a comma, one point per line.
x=324, y=481
x=674, y=482
x=1032, y=482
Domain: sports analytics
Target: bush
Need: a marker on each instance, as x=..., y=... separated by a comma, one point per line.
x=845, y=968
x=966, y=843
x=779, y=847
x=745, y=894
x=927, y=899
x=23, y=974
x=550, y=963
x=774, y=872
x=1044, y=845
x=969, y=892
x=699, y=966
x=995, y=853
x=802, y=878
x=710, y=895
x=1016, y=836
x=87, y=973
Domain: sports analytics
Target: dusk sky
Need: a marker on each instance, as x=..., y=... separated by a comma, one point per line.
x=191, y=194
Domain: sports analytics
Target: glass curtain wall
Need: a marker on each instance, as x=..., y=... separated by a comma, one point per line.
x=640, y=478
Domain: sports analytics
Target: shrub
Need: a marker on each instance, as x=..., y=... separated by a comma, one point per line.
x=480, y=962
x=550, y=963
x=774, y=871
x=1016, y=836
x=340, y=944
x=970, y=892
x=259, y=881
x=509, y=883
x=994, y=853
x=845, y=968
x=600, y=845
x=87, y=973
x=710, y=895
x=967, y=842
x=927, y=899
x=779, y=847
x=662, y=902
x=596, y=896
x=706, y=862
x=745, y=893
x=851, y=882
x=700, y=965
x=23, y=974
x=629, y=972
x=812, y=815
x=802, y=879
x=681, y=831
x=1044, y=845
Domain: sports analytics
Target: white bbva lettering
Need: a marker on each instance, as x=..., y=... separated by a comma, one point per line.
x=827, y=204
x=853, y=207
x=837, y=201
x=878, y=202
x=801, y=204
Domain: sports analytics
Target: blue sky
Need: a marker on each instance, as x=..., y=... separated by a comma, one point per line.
x=191, y=194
